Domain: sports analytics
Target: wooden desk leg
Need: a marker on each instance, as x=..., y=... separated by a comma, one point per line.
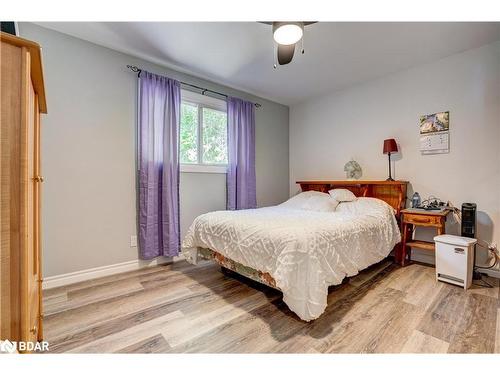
x=441, y=228
x=409, y=236
x=403, y=244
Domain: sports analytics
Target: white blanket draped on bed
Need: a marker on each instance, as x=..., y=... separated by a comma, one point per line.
x=304, y=251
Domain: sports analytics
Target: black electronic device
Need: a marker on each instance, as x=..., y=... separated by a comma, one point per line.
x=468, y=228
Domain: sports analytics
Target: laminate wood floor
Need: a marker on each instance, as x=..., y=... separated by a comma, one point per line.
x=180, y=308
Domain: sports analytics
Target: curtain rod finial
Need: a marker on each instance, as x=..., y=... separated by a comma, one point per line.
x=134, y=68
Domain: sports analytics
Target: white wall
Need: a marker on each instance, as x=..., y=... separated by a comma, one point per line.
x=200, y=193
x=325, y=132
x=88, y=156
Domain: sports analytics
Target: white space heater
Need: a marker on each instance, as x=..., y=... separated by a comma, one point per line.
x=455, y=259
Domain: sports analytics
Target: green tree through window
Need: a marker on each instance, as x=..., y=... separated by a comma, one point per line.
x=189, y=133
x=214, y=136
x=203, y=135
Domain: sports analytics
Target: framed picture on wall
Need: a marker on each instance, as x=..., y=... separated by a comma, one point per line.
x=435, y=133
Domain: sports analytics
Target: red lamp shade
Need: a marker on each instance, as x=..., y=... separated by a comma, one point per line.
x=390, y=146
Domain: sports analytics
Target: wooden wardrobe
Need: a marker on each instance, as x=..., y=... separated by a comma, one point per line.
x=22, y=100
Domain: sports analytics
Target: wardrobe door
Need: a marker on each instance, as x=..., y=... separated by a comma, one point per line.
x=22, y=96
x=10, y=146
x=37, y=216
x=29, y=257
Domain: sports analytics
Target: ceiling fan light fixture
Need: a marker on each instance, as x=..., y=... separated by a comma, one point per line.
x=287, y=33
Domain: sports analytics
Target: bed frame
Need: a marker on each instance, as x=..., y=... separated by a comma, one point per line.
x=391, y=192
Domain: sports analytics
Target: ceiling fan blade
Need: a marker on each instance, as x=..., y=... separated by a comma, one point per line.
x=285, y=53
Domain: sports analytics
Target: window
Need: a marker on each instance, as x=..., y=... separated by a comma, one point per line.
x=203, y=134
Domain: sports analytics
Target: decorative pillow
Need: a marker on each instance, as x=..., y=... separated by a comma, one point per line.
x=311, y=201
x=321, y=204
x=342, y=195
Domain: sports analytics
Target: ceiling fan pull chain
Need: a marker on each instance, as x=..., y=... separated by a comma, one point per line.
x=302, y=42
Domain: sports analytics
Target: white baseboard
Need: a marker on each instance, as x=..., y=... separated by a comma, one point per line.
x=112, y=269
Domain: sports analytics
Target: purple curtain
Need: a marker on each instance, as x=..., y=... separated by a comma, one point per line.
x=159, y=116
x=241, y=190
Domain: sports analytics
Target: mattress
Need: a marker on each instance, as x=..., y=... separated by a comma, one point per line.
x=304, y=251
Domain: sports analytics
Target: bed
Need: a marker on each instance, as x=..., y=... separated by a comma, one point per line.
x=302, y=252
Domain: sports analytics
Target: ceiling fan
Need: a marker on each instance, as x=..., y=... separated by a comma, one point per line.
x=287, y=35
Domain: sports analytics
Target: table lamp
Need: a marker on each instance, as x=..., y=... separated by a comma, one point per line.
x=390, y=146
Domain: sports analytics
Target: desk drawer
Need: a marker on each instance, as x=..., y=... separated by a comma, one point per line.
x=421, y=219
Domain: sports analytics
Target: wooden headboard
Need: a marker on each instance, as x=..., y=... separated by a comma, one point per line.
x=391, y=192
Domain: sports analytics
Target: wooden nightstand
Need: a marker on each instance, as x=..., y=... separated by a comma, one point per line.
x=411, y=218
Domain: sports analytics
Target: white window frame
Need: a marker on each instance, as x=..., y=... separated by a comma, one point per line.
x=202, y=101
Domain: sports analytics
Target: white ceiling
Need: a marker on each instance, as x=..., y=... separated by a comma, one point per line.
x=240, y=55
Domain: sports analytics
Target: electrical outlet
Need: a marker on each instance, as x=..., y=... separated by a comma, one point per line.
x=133, y=241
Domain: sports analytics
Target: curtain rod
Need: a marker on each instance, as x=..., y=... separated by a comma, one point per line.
x=135, y=69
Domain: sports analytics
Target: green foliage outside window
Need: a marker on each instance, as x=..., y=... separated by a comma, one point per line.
x=189, y=133
x=214, y=135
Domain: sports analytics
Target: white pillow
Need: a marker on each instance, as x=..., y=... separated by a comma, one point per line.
x=342, y=195
x=364, y=206
x=302, y=197
x=311, y=201
x=321, y=204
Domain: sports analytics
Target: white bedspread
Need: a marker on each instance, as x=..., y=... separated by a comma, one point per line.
x=304, y=251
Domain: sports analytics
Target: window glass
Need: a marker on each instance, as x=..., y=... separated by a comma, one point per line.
x=188, y=138
x=214, y=137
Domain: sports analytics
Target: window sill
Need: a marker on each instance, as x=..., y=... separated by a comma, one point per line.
x=199, y=168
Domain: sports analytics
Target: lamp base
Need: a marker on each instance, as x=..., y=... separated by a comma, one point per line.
x=390, y=174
